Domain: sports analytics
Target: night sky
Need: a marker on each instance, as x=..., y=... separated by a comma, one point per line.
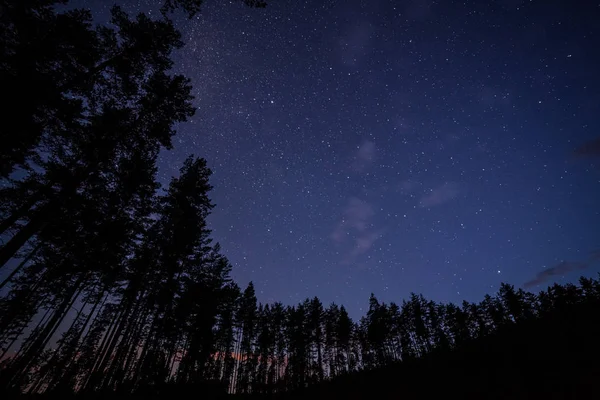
x=391, y=147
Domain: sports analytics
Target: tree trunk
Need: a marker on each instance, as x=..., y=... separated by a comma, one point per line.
x=108, y=345
x=19, y=335
x=20, y=266
x=91, y=378
x=68, y=366
x=45, y=214
x=20, y=212
x=126, y=350
x=22, y=364
x=35, y=224
x=34, y=388
x=27, y=343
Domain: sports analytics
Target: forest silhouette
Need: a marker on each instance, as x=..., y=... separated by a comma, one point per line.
x=114, y=287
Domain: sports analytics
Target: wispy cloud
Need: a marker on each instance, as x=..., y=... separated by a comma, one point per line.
x=363, y=243
x=356, y=227
x=562, y=268
x=589, y=149
x=440, y=195
x=366, y=151
x=365, y=155
x=355, y=217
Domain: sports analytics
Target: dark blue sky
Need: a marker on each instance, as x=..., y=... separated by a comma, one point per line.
x=391, y=147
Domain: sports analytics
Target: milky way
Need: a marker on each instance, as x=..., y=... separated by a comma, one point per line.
x=391, y=147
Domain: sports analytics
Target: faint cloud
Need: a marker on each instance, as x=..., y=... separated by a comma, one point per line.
x=356, y=217
x=356, y=227
x=589, y=149
x=365, y=156
x=440, y=195
x=366, y=151
x=362, y=244
x=562, y=268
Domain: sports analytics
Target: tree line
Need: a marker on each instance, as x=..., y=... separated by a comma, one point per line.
x=112, y=283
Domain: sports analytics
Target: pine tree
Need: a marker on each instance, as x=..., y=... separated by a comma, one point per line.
x=42, y=50
x=130, y=111
x=315, y=327
x=247, y=330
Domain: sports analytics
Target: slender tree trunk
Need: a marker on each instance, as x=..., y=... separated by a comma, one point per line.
x=123, y=345
x=42, y=320
x=38, y=221
x=68, y=367
x=127, y=348
x=151, y=342
x=173, y=360
x=10, y=345
x=7, y=321
x=130, y=303
x=20, y=212
x=320, y=361
x=35, y=331
x=89, y=380
x=46, y=213
x=180, y=368
x=20, y=266
x=106, y=349
x=34, y=388
x=238, y=361
x=45, y=335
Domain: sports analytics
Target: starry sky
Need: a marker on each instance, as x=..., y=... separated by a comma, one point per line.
x=439, y=147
